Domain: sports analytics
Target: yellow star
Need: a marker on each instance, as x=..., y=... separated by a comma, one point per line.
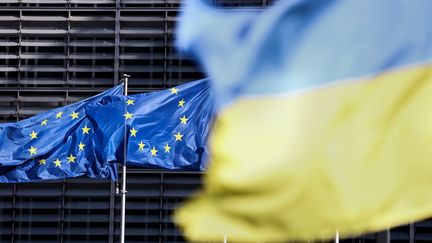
x=167, y=148
x=153, y=151
x=128, y=115
x=133, y=132
x=174, y=91
x=74, y=115
x=71, y=159
x=33, y=135
x=178, y=136
x=181, y=103
x=57, y=163
x=183, y=120
x=44, y=122
x=85, y=129
x=130, y=102
x=81, y=146
x=141, y=146
x=59, y=114
x=32, y=150
x=42, y=161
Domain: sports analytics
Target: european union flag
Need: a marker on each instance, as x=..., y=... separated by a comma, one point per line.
x=169, y=129
x=165, y=129
x=75, y=140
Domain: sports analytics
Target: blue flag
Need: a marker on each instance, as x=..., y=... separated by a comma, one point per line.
x=297, y=45
x=75, y=140
x=165, y=130
x=169, y=129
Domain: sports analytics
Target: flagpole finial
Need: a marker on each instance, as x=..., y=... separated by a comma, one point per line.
x=125, y=78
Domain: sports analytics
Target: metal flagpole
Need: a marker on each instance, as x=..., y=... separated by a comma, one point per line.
x=123, y=190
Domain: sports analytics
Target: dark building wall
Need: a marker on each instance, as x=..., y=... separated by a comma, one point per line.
x=52, y=55
x=85, y=210
x=56, y=52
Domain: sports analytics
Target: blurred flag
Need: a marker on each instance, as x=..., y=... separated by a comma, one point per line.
x=169, y=129
x=326, y=119
x=75, y=140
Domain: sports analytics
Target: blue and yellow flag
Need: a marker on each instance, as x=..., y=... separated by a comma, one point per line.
x=169, y=129
x=325, y=121
x=75, y=140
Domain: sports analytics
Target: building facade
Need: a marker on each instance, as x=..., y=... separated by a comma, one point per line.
x=57, y=52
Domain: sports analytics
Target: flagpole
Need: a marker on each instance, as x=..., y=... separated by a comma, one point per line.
x=123, y=191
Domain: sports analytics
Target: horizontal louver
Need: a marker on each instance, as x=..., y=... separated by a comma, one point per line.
x=85, y=210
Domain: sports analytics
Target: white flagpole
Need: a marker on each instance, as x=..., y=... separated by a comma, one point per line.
x=123, y=191
x=337, y=237
x=225, y=238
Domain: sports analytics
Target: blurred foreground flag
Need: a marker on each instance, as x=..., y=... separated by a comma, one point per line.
x=75, y=140
x=326, y=118
x=169, y=129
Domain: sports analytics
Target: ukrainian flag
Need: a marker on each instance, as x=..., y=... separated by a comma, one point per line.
x=325, y=122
